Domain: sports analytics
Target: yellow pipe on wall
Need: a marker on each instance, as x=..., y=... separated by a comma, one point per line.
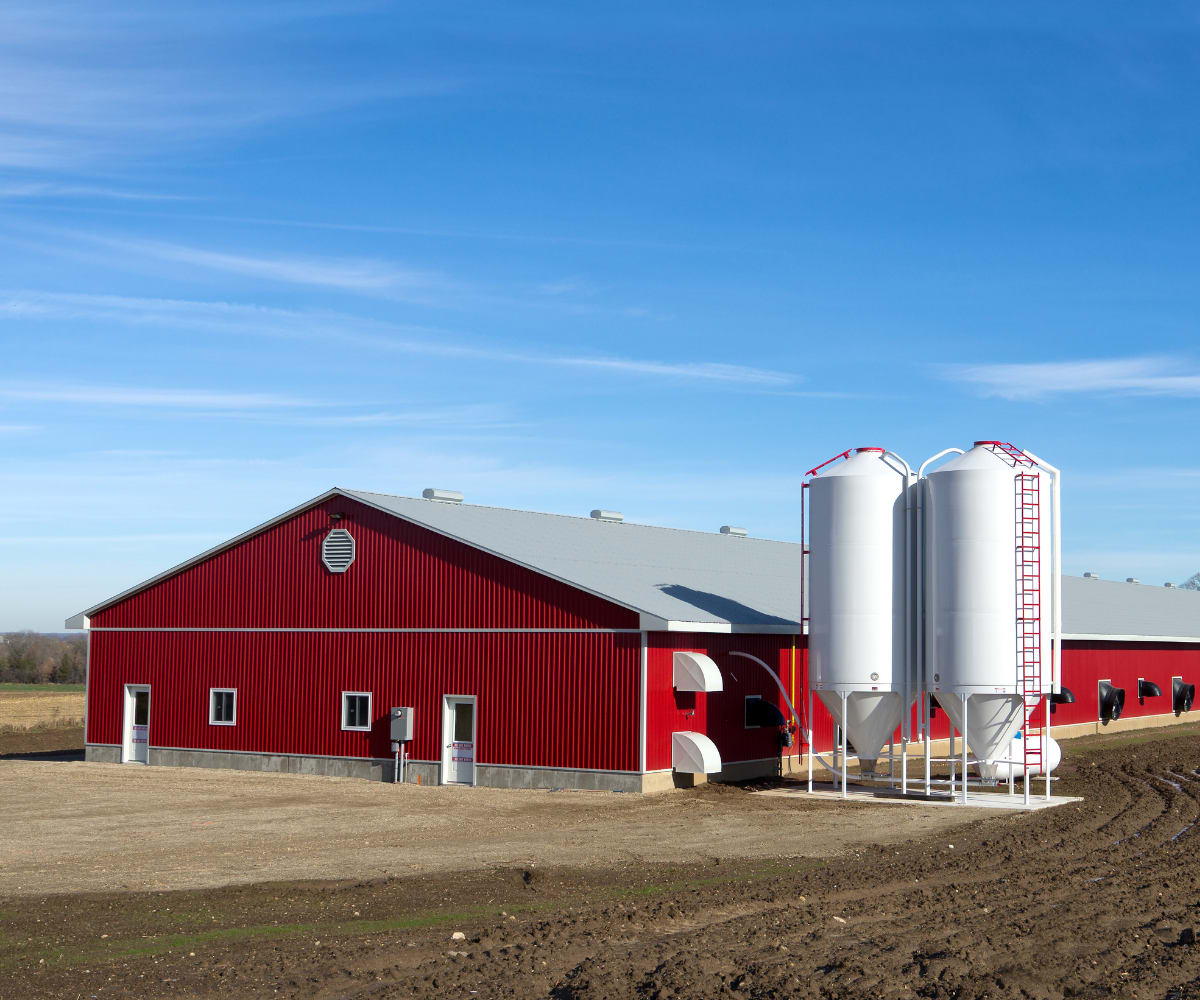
x=796, y=744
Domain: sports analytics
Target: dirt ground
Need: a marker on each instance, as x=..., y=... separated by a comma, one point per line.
x=69, y=827
x=1095, y=899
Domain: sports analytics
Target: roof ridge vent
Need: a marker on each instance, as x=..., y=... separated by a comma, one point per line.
x=442, y=496
x=1091, y=576
x=729, y=529
x=608, y=515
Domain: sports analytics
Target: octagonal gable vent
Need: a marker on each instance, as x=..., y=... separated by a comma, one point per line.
x=337, y=550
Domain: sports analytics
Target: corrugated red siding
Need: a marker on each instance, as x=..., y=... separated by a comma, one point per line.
x=544, y=699
x=403, y=576
x=720, y=716
x=1085, y=663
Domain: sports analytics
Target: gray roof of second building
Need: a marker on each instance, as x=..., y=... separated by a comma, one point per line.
x=1128, y=610
x=678, y=576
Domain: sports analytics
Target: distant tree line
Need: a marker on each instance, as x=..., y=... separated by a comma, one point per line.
x=1191, y=583
x=33, y=658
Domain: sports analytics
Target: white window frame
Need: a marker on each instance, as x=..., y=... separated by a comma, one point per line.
x=370, y=710
x=212, y=705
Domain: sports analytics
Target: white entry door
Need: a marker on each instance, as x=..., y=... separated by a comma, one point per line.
x=458, y=740
x=136, y=745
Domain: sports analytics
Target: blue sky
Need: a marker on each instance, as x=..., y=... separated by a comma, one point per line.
x=657, y=258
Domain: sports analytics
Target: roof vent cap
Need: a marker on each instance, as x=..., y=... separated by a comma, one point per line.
x=608, y=515
x=1132, y=579
x=1091, y=576
x=442, y=496
x=337, y=550
x=729, y=529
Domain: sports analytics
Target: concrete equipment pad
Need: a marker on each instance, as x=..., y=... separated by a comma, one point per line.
x=886, y=796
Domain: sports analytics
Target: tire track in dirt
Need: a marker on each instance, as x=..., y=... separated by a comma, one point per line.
x=1085, y=900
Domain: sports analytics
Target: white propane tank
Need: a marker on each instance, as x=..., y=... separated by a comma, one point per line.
x=858, y=596
x=999, y=770
x=971, y=595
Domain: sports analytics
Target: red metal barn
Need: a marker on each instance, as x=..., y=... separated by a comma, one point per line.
x=536, y=650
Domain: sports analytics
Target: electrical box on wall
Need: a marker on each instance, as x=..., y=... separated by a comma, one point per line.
x=402, y=724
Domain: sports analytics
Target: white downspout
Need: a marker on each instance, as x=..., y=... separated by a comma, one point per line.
x=920, y=609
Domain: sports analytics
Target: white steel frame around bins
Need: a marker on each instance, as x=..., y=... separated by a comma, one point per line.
x=1028, y=600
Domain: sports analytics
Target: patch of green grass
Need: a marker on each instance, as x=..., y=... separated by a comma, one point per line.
x=45, y=688
x=142, y=947
x=162, y=944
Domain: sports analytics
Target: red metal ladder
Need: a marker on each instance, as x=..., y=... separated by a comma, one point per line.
x=1028, y=549
x=1029, y=610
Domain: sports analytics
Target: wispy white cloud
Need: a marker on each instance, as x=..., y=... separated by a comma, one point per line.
x=480, y=416
x=85, y=85
x=711, y=371
x=49, y=189
x=17, y=428
x=332, y=327
x=341, y=273
x=501, y=236
x=1146, y=376
x=567, y=286
x=207, y=399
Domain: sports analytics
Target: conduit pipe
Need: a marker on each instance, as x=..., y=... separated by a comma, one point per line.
x=909, y=611
x=919, y=610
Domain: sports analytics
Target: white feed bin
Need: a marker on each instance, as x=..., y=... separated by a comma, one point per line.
x=1000, y=769
x=971, y=595
x=858, y=596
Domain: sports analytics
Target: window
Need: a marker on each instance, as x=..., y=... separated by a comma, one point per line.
x=356, y=710
x=751, y=712
x=222, y=706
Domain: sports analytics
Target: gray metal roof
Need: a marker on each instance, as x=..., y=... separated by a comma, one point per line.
x=680, y=577
x=707, y=581
x=1112, y=610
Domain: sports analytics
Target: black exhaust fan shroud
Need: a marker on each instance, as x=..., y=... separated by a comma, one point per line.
x=1065, y=696
x=1147, y=689
x=1112, y=701
x=1182, y=695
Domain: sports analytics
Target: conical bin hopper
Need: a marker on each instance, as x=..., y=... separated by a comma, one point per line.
x=992, y=720
x=872, y=717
